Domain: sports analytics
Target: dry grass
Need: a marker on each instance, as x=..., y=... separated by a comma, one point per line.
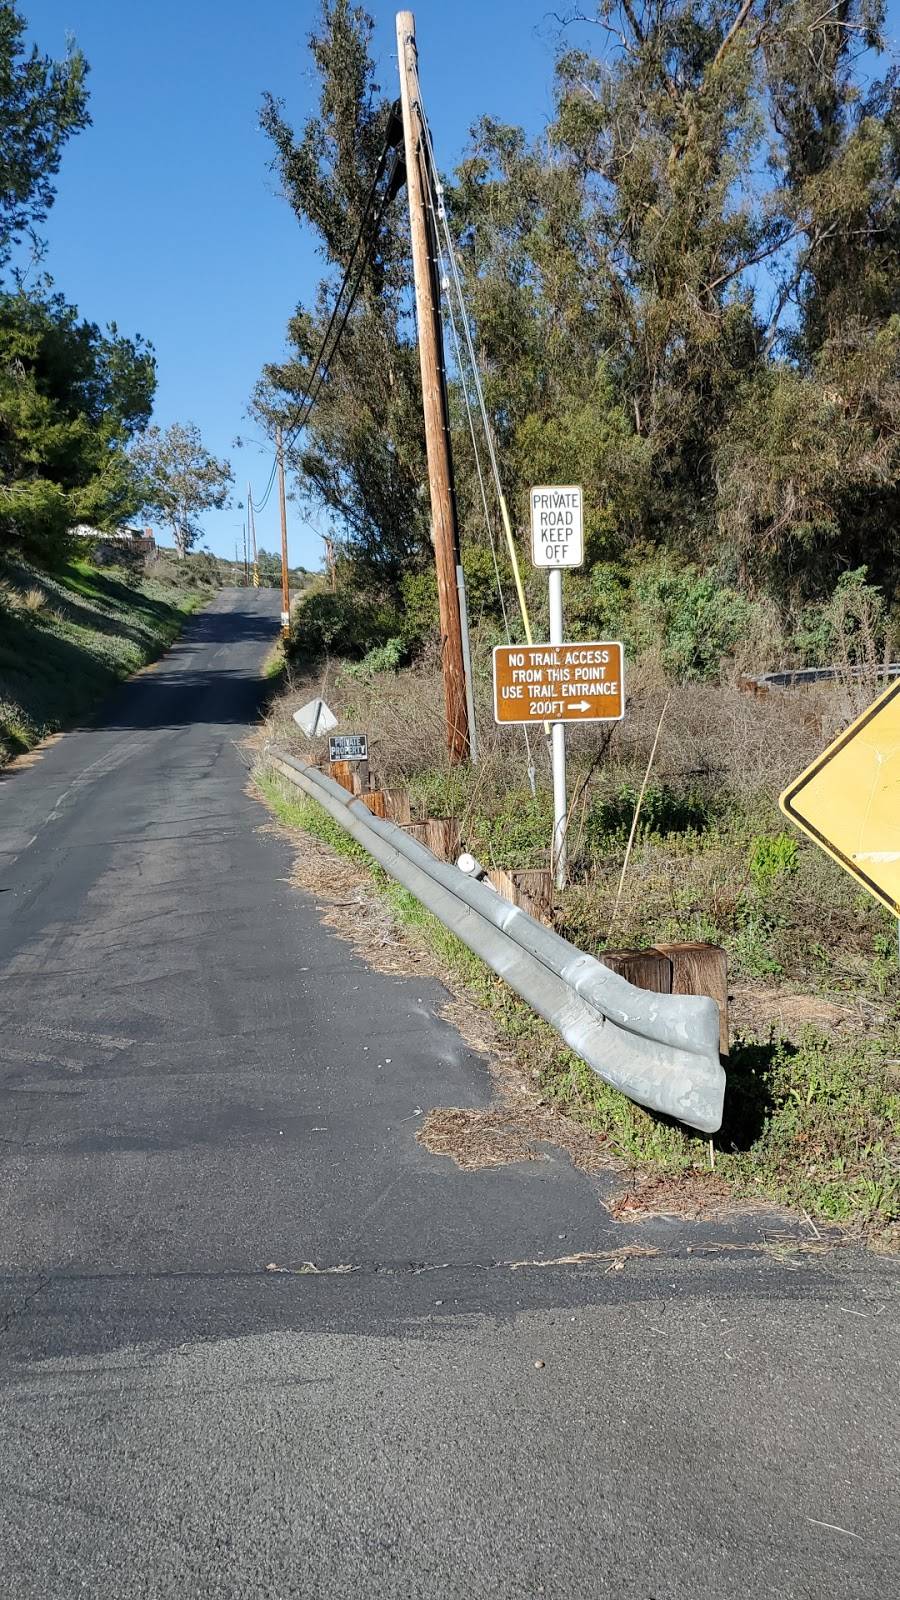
x=723, y=757
x=677, y=1194
x=495, y=1138
x=31, y=600
x=711, y=732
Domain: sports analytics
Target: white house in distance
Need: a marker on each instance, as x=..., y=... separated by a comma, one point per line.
x=140, y=541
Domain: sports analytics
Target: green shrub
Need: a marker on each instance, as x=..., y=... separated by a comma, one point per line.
x=772, y=856
x=420, y=598
x=664, y=810
x=482, y=595
x=344, y=622
x=851, y=628
x=387, y=657
x=519, y=831
x=202, y=569
x=698, y=620
x=653, y=604
x=420, y=606
x=610, y=599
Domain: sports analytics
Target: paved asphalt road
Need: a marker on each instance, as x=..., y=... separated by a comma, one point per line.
x=199, y=1081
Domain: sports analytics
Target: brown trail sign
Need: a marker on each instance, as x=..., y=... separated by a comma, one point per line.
x=577, y=682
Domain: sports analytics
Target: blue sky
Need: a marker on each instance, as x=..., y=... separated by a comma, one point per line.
x=167, y=220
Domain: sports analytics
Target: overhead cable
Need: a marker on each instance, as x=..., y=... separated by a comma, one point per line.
x=302, y=410
x=320, y=369
x=441, y=212
x=464, y=385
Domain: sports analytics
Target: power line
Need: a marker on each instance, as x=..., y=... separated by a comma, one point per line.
x=393, y=135
x=263, y=502
x=320, y=369
x=437, y=197
x=435, y=193
x=464, y=385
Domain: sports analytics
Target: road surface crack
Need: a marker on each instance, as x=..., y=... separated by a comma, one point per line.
x=24, y=1305
x=616, y=1257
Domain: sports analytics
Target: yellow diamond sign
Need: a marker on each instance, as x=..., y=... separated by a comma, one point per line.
x=849, y=799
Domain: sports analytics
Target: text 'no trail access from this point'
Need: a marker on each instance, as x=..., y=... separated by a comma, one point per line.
x=577, y=682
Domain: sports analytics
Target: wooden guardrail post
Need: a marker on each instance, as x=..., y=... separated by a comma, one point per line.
x=374, y=800
x=647, y=969
x=442, y=837
x=699, y=968
x=532, y=889
x=344, y=773
x=397, y=806
x=417, y=831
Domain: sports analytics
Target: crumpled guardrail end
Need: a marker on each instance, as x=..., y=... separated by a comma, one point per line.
x=685, y=1084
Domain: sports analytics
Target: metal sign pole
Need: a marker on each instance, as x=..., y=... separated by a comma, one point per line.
x=467, y=661
x=558, y=743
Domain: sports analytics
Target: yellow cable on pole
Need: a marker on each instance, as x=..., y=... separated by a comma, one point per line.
x=514, y=563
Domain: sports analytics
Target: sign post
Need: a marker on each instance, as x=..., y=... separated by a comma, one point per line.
x=557, y=541
x=558, y=744
x=558, y=682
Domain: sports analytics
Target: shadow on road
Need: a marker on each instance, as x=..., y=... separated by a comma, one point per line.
x=174, y=694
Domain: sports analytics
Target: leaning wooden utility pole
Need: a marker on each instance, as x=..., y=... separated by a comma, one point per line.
x=285, y=591
x=252, y=520
x=434, y=398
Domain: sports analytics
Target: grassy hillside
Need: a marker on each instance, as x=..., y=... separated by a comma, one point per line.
x=67, y=637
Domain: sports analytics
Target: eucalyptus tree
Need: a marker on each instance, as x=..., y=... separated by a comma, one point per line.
x=180, y=479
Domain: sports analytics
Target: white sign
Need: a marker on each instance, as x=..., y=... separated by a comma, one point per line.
x=557, y=534
x=315, y=718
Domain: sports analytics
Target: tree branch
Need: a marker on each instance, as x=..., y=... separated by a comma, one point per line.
x=733, y=31
x=789, y=287
x=751, y=261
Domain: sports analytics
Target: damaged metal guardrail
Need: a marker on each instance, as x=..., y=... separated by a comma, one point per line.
x=661, y=1050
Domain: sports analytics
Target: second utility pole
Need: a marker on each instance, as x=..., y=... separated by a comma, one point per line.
x=285, y=589
x=252, y=520
x=434, y=398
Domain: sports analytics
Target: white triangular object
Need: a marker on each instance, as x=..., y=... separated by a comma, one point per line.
x=315, y=718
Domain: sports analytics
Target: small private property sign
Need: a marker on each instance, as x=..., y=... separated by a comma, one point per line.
x=557, y=526
x=578, y=682
x=348, y=747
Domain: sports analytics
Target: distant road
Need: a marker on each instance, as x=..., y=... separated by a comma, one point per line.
x=199, y=1084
